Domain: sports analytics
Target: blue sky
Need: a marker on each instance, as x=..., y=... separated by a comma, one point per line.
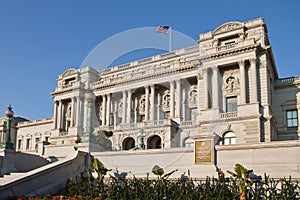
x=41, y=39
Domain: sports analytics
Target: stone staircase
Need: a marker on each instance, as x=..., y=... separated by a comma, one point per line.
x=45, y=180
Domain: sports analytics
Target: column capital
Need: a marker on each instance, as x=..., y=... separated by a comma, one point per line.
x=146, y=86
x=199, y=76
x=215, y=68
x=241, y=63
x=252, y=61
x=204, y=69
x=152, y=85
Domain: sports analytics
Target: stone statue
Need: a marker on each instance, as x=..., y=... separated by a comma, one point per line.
x=68, y=113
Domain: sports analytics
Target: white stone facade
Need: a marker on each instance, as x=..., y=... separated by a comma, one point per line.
x=225, y=90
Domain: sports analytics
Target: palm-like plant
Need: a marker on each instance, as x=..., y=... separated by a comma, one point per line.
x=242, y=176
x=99, y=168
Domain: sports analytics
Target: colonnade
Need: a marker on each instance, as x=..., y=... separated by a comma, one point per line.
x=216, y=82
x=152, y=105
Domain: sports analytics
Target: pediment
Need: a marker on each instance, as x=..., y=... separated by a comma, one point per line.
x=69, y=72
x=228, y=27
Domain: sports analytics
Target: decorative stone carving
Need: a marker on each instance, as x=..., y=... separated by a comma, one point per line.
x=192, y=98
x=255, y=34
x=142, y=104
x=68, y=112
x=231, y=83
x=100, y=112
x=69, y=72
x=120, y=109
x=166, y=100
x=228, y=27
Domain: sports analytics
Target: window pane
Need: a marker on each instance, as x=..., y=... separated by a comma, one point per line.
x=295, y=122
x=292, y=118
x=233, y=141
x=289, y=114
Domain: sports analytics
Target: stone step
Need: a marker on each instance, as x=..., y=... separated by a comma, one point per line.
x=10, y=177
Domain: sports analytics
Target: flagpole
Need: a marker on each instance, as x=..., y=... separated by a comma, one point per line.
x=170, y=39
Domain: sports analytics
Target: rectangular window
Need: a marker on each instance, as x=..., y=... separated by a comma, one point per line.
x=292, y=118
x=19, y=144
x=231, y=104
x=27, y=144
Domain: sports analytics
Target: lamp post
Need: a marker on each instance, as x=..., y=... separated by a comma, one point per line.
x=9, y=114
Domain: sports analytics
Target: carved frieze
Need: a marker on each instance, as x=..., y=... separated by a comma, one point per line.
x=69, y=72
x=228, y=27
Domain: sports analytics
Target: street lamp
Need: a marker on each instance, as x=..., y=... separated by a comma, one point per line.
x=9, y=114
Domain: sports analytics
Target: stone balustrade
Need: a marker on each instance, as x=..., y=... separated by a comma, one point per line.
x=228, y=115
x=289, y=81
x=35, y=122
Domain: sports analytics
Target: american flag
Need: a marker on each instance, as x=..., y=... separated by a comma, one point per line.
x=163, y=29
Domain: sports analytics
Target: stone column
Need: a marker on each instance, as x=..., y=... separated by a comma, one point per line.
x=178, y=98
x=124, y=107
x=152, y=106
x=242, y=82
x=183, y=103
x=55, y=115
x=215, y=89
x=205, y=88
x=172, y=99
x=135, y=109
x=254, y=98
x=115, y=114
x=129, y=106
x=103, y=122
x=158, y=106
x=78, y=102
x=72, y=112
x=108, y=110
x=59, y=118
x=146, y=103
x=199, y=78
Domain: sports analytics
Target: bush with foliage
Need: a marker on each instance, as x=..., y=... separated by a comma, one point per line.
x=242, y=181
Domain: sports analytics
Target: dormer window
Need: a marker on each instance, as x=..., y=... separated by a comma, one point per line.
x=228, y=40
x=69, y=81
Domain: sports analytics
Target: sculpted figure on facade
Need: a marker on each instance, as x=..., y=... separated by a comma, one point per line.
x=192, y=98
x=100, y=112
x=68, y=113
x=120, y=109
x=231, y=82
x=142, y=105
x=166, y=100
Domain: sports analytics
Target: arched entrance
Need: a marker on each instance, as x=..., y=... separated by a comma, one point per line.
x=128, y=143
x=154, y=142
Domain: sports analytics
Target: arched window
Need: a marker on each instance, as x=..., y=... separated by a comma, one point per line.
x=154, y=142
x=188, y=142
x=128, y=143
x=229, y=138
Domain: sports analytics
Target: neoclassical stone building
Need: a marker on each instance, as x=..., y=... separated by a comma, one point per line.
x=225, y=91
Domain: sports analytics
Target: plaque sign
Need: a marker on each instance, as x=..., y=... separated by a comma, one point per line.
x=203, y=151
